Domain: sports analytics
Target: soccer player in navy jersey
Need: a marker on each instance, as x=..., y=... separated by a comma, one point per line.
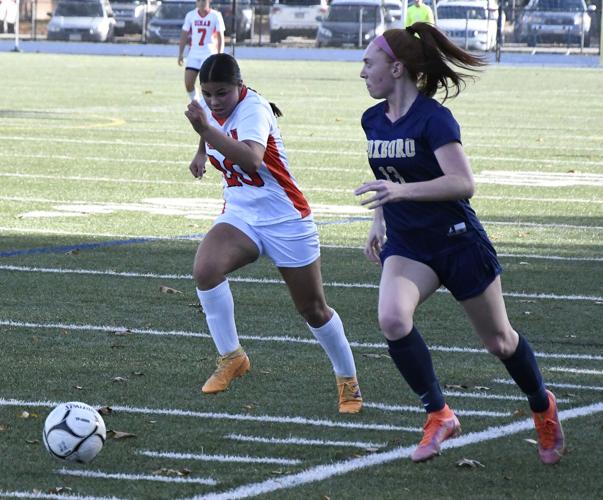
x=425, y=233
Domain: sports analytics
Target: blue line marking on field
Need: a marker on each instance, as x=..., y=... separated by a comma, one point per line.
x=135, y=241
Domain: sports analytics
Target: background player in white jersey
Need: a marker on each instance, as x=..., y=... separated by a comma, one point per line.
x=425, y=232
x=204, y=27
x=264, y=213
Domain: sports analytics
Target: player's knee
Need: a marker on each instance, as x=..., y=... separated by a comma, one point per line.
x=500, y=344
x=316, y=313
x=206, y=276
x=395, y=325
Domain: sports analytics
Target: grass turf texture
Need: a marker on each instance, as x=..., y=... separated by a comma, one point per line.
x=103, y=132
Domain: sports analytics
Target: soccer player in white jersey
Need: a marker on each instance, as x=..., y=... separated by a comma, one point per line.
x=203, y=28
x=265, y=213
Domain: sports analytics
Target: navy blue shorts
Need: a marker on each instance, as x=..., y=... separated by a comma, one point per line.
x=466, y=272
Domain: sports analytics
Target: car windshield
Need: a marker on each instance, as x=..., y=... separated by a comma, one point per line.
x=135, y=2
x=566, y=5
x=79, y=9
x=173, y=10
x=351, y=13
x=464, y=12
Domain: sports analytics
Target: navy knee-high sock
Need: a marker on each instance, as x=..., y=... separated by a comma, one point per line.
x=411, y=356
x=524, y=370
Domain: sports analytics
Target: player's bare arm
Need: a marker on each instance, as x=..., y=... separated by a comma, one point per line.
x=246, y=154
x=197, y=165
x=181, y=44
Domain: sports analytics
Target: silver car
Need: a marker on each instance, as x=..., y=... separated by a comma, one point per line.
x=82, y=20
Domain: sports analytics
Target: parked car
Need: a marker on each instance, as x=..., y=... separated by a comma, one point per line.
x=166, y=24
x=77, y=20
x=471, y=24
x=295, y=17
x=244, y=17
x=354, y=22
x=130, y=15
x=562, y=21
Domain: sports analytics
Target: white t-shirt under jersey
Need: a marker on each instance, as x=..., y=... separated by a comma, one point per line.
x=272, y=194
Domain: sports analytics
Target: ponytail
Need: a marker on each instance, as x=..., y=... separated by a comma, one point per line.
x=428, y=54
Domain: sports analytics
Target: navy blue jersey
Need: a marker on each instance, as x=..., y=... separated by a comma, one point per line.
x=403, y=151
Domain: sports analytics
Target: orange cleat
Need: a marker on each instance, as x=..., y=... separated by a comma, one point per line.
x=440, y=426
x=350, y=399
x=551, y=441
x=229, y=367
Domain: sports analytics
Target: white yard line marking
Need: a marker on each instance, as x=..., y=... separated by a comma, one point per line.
x=227, y=416
x=202, y=457
x=38, y=494
x=267, y=338
x=234, y=279
x=135, y=477
x=485, y=395
x=303, y=441
x=322, y=472
x=417, y=409
x=556, y=384
x=584, y=371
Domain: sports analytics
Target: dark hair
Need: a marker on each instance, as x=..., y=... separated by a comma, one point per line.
x=426, y=52
x=224, y=68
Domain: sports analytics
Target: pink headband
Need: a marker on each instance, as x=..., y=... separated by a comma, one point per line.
x=381, y=42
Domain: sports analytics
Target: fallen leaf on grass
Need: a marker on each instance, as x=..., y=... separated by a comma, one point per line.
x=469, y=462
x=325, y=497
x=3, y=428
x=167, y=289
x=519, y=413
x=105, y=410
x=137, y=374
x=455, y=386
x=119, y=379
x=75, y=251
x=118, y=346
x=59, y=489
x=119, y=434
x=121, y=333
x=278, y=471
x=171, y=472
x=78, y=387
x=368, y=355
x=26, y=414
x=481, y=388
x=531, y=441
x=32, y=441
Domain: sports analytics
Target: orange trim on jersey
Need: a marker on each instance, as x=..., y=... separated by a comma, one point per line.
x=278, y=170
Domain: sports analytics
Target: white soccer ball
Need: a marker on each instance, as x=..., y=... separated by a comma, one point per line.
x=74, y=431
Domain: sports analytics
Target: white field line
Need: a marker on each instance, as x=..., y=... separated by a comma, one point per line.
x=39, y=494
x=584, y=371
x=267, y=338
x=213, y=184
x=485, y=395
x=556, y=384
x=135, y=477
x=226, y=416
x=417, y=409
x=202, y=457
x=334, y=284
x=303, y=441
x=359, y=153
x=322, y=472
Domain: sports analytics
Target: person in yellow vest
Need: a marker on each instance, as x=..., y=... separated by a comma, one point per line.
x=419, y=12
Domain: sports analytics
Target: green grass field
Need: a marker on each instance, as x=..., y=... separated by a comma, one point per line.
x=98, y=210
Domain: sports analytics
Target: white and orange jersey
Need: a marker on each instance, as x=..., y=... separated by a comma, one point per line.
x=272, y=194
x=203, y=31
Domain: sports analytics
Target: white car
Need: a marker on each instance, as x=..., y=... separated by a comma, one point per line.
x=295, y=17
x=77, y=20
x=471, y=24
x=394, y=9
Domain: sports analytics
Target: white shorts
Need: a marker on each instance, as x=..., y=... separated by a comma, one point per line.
x=195, y=63
x=292, y=243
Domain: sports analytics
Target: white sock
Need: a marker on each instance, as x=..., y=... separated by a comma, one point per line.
x=331, y=337
x=218, y=307
x=192, y=95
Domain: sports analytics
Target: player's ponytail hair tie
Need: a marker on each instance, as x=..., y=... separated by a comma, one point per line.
x=381, y=42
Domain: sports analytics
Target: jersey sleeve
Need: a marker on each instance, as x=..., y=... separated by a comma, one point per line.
x=441, y=129
x=254, y=124
x=186, y=26
x=220, y=27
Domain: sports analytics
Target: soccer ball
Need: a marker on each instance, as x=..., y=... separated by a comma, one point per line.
x=75, y=432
